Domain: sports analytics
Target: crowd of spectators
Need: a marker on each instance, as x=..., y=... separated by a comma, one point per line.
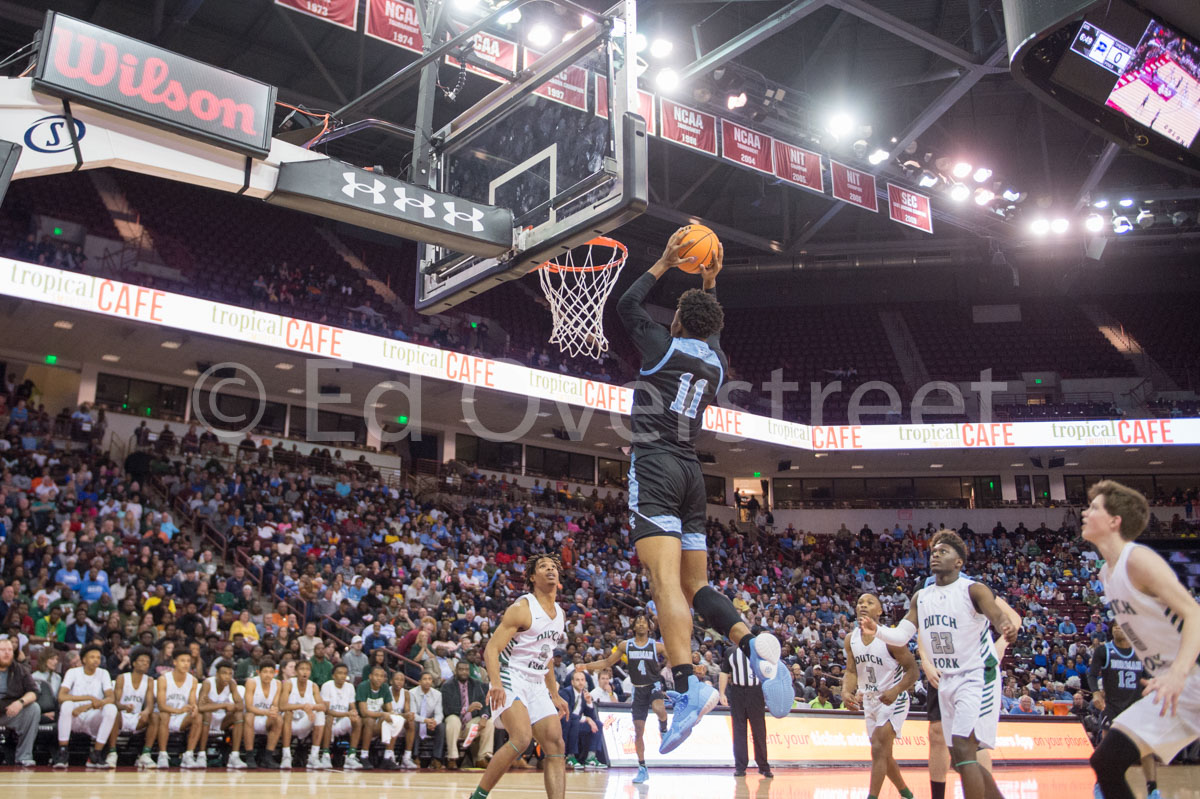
x=258, y=559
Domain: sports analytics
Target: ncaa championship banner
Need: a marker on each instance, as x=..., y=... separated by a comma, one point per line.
x=838, y=739
x=113, y=298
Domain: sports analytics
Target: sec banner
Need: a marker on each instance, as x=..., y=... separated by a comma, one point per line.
x=339, y=12
x=568, y=87
x=689, y=127
x=395, y=22
x=799, y=167
x=746, y=147
x=853, y=186
x=909, y=208
x=816, y=738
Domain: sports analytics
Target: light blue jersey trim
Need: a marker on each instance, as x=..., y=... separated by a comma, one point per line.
x=633, y=485
x=695, y=542
x=665, y=522
x=696, y=349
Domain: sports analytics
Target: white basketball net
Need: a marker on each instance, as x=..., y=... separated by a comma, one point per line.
x=577, y=285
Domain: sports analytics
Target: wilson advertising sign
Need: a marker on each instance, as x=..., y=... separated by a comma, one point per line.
x=130, y=78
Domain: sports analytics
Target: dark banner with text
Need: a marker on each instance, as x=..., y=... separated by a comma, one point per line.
x=133, y=79
x=343, y=13
x=798, y=166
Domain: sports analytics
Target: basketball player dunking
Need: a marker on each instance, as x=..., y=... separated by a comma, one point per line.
x=883, y=674
x=1115, y=675
x=524, y=693
x=1162, y=621
x=952, y=618
x=646, y=676
x=682, y=370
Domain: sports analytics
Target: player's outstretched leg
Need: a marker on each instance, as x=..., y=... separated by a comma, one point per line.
x=763, y=650
x=1112, y=758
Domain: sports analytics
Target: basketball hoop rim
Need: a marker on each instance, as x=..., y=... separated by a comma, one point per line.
x=622, y=253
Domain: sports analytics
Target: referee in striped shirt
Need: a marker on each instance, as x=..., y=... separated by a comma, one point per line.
x=742, y=693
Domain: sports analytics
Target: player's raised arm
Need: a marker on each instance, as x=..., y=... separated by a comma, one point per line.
x=607, y=663
x=985, y=603
x=651, y=338
x=517, y=618
x=1001, y=643
x=709, y=273
x=899, y=635
x=911, y=673
x=1154, y=577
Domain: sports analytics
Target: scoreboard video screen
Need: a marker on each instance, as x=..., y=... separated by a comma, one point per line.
x=1140, y=67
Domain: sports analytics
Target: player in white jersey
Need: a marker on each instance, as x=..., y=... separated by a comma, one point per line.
x=176, y=701
x=303, y=715
x=1162, y=621
x=261, y=695
x=341, y=713
x=952, y=617
x=524, y=693
x=134, y=693
x=86, y=705
x=878, y=677
x=219, y=703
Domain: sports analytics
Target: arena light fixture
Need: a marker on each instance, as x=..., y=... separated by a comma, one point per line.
x=1145, y=219
x=190, y=372
x=540, y=35
x=840, y=124
x=284, y=366
x=1121, y=225
x=1101, y=204
x=961, y=170
x=639, y=42
x=1179, y=218
x=857, y=466
x=935, y=465
x=878, y=157
x=736, y=101
x=1126, y=202
x=1012, y=195
x=295, y=391
x=586, y=19
x=1039, y=227
x=667, y=80
x=1072, y=463
x=1094, y=223
x=63, y=324
x=1156, y=463
x=511, y=17
x=465, y=5
x=661, y=48
x=110, y=358
x=982, y=174
x=1060, y=225
x=984, y=196
x=927, y=180
x=171, y=345
x=959, y=193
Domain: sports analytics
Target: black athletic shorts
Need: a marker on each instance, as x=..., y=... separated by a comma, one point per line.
x=643, y=697
x=933, y=711
x=667, y=497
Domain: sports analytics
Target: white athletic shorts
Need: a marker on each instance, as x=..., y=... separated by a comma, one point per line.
x=260, y=725
x=129, y=721
x=392, y=727
x=302, y=727
x=176, y=722
x=341, y=726
x=971, y=704
x=878, y=714
x=531, y=691
x=216, y=719
x=1165, y=735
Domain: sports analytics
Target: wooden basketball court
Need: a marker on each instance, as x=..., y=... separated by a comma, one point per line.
x=1064, y=782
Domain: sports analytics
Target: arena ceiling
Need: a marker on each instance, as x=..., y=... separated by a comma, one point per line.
x=933, y=71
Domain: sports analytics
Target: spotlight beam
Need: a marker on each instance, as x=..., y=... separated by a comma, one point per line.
x=779, y=21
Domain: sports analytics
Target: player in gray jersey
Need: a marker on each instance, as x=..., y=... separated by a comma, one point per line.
x=1162, y=621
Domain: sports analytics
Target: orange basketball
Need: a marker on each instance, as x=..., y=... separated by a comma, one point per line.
x=700, y=243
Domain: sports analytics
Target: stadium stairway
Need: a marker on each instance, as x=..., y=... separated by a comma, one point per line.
x=1124, y=342
x=358, y=265
x=904, y=347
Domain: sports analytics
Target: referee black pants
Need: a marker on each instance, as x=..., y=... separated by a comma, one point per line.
x=746, y=705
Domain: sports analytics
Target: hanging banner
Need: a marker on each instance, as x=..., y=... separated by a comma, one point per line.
x=493, y=50
x=909, y=208
x=853, y=186
x=799, y=167
x=568, y=87
x=395, y=22
x=339, y=12
x=645, y=105
x=746, y=147
x=689, y=127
